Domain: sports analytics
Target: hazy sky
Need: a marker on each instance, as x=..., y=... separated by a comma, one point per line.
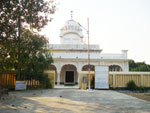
x=115, y=25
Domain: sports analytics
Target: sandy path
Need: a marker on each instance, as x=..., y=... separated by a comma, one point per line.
x=72, y=101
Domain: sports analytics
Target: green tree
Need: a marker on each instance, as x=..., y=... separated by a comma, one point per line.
x=138, y=66
x=17, y=16
x=35, y=57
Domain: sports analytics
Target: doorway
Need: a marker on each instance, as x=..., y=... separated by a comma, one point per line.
x=69, y=79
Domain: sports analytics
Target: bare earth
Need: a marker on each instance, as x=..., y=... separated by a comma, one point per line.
x=144, y=96
x=72, y=101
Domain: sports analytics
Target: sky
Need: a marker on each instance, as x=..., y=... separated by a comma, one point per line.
x=115, y=25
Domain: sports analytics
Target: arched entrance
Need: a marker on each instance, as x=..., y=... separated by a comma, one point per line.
x=69, y=74
x=115, y=68
x=86, y=68
x=92, y=77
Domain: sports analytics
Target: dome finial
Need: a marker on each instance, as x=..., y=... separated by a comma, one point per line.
x=71, y=15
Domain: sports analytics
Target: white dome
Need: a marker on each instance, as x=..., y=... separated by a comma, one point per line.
x=72, y=23
x=71, y=33
x=71, y=26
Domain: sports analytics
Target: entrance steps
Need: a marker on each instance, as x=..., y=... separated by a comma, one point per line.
x=67, y=87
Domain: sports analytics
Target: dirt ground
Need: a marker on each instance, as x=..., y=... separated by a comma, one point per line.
x=72, y=101
x=143, y=96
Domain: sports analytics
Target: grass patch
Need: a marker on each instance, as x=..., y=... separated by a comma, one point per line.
x=68, y=84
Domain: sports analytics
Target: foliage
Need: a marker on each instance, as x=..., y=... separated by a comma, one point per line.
x=34, y=55
x=43, y=78
x=34, y=13
x=138, y=66
x=23, y=17
x=142, y=89
x=35, y=58
x=131, y=85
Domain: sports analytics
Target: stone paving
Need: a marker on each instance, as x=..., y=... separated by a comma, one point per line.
x=72, y=101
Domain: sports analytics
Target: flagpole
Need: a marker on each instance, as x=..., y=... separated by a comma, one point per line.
x=88, y=54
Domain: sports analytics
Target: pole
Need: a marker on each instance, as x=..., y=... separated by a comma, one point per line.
x=19, y=33
x=88, y=54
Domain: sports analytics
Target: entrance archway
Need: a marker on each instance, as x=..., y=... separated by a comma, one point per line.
x=86, y=68
x=69, y=74
x=115, y=68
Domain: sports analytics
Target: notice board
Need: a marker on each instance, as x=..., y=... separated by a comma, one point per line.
x=20, y=85
x=101, y=77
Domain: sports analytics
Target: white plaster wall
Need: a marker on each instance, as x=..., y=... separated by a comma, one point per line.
x=73, y=47
x=84, y=55
x=80, y=64
x=71, y=39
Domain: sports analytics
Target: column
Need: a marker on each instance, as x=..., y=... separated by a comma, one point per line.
x=79, y=69
x=78, y=76
x=58, y=78
x=114, y=80
x=141, y=83
x=58, y=75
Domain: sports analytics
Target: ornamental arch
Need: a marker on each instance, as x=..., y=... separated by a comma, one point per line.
x=68, y=74
x=86, y=67
x=115, y=68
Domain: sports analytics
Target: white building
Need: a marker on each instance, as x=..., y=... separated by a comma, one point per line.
x=71, y=56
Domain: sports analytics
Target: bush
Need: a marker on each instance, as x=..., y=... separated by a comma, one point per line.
x=131, y=85
x=43, y=78
x=143, y=89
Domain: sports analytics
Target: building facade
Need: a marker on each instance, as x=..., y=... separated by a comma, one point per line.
x=71, y=56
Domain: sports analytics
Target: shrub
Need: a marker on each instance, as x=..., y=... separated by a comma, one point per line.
x=131, y=85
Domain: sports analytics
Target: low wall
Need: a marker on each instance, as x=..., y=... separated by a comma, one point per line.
x=7, y=80
x=120, y=79
x=86, y=75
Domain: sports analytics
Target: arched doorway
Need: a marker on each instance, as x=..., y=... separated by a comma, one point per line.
x=53, y=68
x=115, y=68
x=69, y=74
x=86, y=68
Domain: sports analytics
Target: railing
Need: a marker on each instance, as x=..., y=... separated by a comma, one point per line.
x=120, y=79
x=75, y=46
x=8, y=80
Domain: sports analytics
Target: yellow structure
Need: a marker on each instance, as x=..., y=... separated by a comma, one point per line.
x=51, y=76
x=120, y=79
x=84, y=74
x=8, y=80
x=116, y=79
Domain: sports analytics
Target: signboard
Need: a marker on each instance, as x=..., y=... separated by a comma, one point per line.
x=20, y=85
x=101, y=77
x=84, y=80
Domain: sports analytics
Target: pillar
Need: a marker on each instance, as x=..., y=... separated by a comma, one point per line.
x=114, y=80
x=58, y=78
x=141, y=83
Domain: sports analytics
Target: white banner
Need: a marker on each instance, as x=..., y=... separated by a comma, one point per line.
x=20, y=85
x=101, y=77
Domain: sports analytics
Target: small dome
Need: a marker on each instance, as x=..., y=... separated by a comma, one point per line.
x=71, y=26
x=72, y=23
x=71, y=33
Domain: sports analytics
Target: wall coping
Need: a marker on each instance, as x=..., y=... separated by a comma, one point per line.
x=49, y=71
x=129, y=73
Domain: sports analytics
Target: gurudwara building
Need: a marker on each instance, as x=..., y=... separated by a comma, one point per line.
x=71, y=56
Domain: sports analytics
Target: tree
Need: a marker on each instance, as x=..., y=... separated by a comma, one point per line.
x=35, y=57
x=17, y=16
x=138, y=66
